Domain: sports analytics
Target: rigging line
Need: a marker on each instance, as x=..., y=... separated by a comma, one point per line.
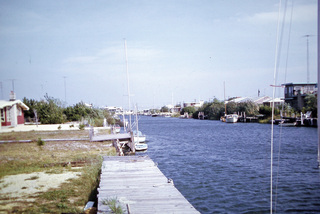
x=272, y=118
x=281, y=37
x=289, y=39
x=125, y=47
x=280, y=130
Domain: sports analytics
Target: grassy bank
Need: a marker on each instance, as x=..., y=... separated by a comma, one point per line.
x=81, y=159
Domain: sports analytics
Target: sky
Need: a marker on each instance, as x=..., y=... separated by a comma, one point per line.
x=177, y=50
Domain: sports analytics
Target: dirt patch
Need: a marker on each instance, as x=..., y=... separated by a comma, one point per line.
x=42, y=178
x=23, y=186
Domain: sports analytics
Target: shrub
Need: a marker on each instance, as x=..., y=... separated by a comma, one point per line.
x=40, y=142
x=81, y=126
x=114, y=205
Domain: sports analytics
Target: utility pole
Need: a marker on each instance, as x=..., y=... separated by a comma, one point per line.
x=12, y=84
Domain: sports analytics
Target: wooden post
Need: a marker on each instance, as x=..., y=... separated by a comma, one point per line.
x=119, y=148
x=132, y=144
x=91, y=133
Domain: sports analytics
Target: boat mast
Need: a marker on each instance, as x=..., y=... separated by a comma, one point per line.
x=318, y=98
x=225, y=104
x=137, y=126
x=125, y=47
x=272, y=117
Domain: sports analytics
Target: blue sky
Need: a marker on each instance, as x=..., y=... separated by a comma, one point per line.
x=184, y=48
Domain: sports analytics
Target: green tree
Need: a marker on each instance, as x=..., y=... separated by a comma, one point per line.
x=311, y=104
x=164, y=109
x=231, y=107
x=213, y=110
x=50, y=111
x=189, y=109
x=32, y=106
x=267, y=111
x=249, y=107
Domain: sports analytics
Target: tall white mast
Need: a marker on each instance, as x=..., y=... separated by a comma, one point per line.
x=129, y=103
x=273, y=97
x=318, y=87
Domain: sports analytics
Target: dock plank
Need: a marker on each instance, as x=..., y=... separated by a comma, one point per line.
x=137, y=182
x=108, y=137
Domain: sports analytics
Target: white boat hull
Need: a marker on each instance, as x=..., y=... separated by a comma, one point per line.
x=141, y=146
x=233, y=118
x=139, y=139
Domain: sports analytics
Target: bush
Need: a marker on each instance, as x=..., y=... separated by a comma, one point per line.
x=81, y=126
x=97, y=122
x=40, y=142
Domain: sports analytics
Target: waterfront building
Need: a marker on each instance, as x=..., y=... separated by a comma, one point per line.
x=294, y=93
x=194, y=104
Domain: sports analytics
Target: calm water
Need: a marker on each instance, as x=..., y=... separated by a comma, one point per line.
x=225, y=168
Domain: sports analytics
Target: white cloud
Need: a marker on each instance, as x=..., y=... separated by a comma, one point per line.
x=301, y=13
x=305, y=13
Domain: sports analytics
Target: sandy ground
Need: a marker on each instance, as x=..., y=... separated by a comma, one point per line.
x=28, y=184
x=21, y=187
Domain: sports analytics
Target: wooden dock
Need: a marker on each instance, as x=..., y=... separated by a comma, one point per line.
x=110, y=137
x=139, y=186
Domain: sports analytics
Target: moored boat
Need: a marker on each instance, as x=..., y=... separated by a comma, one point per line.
x=117, y=128
x=141, y=147
x=231, y=118
x=138, y=137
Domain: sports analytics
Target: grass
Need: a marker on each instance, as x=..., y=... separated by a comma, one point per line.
x=35, y=135
x=70, y=197
x=114, y=205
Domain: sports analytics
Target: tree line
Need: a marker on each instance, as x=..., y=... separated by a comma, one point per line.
x=215, y=109
x=51, y=111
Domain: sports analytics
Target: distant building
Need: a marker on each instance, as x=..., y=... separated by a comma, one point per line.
x=238, y=100
x=12, y=111
x=265, y=100
x=176, y=109
x=294, y=93
x=277, y=102
x=113, y=109
x=194, y=104
x=261, y=100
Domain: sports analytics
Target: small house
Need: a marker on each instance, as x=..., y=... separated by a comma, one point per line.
x=12, y=112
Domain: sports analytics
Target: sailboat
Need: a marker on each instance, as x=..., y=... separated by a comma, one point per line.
x=272, y=119
x=231, y=118
x=137, y=137
x=228, y=118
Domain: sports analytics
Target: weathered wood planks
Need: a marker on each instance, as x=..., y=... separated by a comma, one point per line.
x=138, y=184
x=111, y=137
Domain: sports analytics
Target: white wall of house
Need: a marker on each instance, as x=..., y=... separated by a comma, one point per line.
x=13, y=116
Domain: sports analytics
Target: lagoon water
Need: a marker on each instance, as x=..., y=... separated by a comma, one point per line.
x=225, y=168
